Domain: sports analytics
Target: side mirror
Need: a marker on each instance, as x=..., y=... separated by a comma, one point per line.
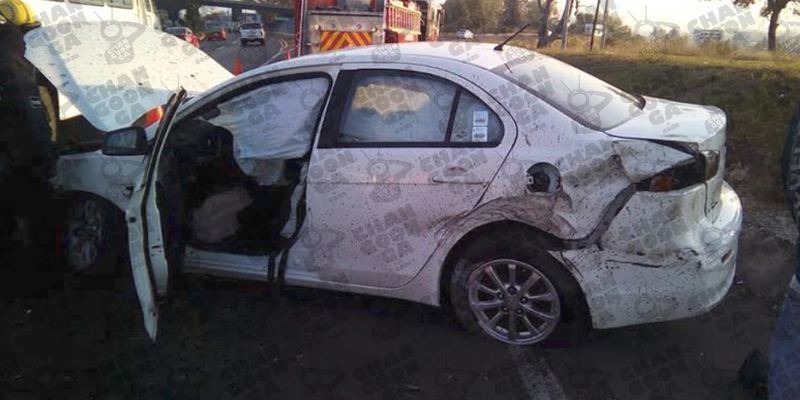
x=131, y=141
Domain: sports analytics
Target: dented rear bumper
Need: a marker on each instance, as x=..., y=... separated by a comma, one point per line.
x=662, y=258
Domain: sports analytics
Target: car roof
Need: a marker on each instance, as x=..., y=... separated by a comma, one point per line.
x=481, y=55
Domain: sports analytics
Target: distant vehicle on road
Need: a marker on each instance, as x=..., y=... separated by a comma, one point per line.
x=252, y=32
x=53, y=12
x=185, y=34
x=465, y=34
x=216, y=31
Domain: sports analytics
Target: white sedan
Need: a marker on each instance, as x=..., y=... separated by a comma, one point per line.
x=525, y=193
x=464, y=34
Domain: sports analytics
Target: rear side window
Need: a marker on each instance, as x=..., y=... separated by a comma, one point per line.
x=475, y=122
x=585, y=98
x=397, y=109
x=407, y=109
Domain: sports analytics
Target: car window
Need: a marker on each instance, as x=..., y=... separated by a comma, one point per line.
x=475, y=121
x=585, y=98
x=251, y=26
x=272, y=123
x=384, y=107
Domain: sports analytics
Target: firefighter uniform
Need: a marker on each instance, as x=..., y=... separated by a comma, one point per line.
x=27, y=153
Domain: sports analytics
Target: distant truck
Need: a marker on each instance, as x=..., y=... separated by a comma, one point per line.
x=324, y=25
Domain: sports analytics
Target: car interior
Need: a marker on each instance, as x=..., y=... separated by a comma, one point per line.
x=203, y=187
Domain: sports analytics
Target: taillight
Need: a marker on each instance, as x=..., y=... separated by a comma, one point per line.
x=150, y=117
x=663, y=183
x=701, y=169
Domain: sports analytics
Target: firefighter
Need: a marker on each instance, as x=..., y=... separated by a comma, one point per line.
x=27, y=153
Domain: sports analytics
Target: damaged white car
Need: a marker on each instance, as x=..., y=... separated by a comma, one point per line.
x=522, y=191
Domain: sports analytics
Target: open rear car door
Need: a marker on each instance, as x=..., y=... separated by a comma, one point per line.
x=149, y=265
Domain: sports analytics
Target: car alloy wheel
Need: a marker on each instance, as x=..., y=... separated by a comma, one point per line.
x=85, y=230
x=513, y=301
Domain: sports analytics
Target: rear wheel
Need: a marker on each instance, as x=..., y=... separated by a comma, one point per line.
x=516, y=294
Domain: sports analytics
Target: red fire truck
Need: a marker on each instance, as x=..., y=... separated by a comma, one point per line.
x=324, y=25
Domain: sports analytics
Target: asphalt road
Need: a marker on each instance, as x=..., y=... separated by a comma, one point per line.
x=222, y=339
x=251, y=55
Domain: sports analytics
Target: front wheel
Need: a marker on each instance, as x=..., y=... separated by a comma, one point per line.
x=93, y=238
x=518, y=296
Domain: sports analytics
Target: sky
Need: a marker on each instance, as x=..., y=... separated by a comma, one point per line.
x=687, y=13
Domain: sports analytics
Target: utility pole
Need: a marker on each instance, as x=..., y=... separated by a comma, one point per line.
x=605, y=27
x=594, y=25
x=565, y=19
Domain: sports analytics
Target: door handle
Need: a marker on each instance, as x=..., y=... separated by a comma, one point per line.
x=456, y=175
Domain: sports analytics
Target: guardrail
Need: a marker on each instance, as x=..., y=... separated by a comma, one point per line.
x=484, y=37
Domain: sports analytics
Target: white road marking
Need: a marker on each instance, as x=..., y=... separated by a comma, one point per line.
x=540, y=382
x=284, y=45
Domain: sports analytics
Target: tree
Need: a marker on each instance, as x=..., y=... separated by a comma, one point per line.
x=658, y=33
x=476, y=15
x=772, y=10
x=512, y=14
x=617, y=31
x=546, y=11
x=579, y=25
x=192, y=19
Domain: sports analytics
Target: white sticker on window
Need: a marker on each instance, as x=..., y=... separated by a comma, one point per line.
x=480, y=133
x=480, y=118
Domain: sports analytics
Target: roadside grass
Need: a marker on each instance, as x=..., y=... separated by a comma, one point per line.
x=757, y=90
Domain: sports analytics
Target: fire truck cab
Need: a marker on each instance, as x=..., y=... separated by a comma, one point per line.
x=324, y=25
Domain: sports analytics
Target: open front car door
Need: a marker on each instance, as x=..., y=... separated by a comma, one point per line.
x=149, y=264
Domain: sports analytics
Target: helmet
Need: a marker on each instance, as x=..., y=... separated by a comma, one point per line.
x=18, y=13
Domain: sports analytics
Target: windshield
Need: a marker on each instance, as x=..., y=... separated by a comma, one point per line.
x=589, y=100
x=251, y=26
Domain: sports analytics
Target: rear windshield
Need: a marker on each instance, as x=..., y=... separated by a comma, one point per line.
x=589, y=100
x=251, y=26
x=176, y=31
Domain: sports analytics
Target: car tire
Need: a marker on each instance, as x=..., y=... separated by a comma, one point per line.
x=243, y=43
x=554, y=293
x=94, y=236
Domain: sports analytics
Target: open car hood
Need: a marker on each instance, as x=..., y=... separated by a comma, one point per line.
x=114, y=72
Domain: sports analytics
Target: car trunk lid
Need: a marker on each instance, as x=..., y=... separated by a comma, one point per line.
x=112, y=73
